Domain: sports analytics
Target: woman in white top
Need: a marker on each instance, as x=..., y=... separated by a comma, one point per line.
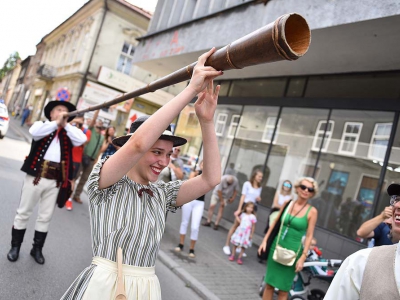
x=251, y=192
x=283, y=195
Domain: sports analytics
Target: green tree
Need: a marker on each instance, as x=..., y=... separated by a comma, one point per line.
x=9, y=64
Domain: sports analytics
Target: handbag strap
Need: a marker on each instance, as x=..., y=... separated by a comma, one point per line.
x=283, y=219
x=280, y=229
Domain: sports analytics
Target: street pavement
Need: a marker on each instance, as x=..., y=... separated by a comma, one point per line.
x=67, y=250
x=68, y=246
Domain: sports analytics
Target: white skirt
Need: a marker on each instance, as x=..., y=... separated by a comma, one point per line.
x=141, y=283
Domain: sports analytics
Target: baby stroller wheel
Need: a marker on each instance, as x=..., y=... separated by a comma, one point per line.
x=297, y=297
x=316, y=294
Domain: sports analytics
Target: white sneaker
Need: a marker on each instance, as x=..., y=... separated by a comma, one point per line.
x=238, y=251
x=227, y=250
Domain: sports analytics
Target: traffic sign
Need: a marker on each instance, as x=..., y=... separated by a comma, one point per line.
x=63, y=94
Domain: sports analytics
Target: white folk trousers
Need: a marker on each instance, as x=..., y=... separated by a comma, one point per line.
x=45, y=194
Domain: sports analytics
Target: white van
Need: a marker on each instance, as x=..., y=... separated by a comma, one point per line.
x=4, y=119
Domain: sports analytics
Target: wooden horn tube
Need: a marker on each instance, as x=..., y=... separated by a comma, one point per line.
x=288, y=38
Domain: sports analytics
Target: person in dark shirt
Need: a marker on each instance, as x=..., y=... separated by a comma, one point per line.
x=378, y=228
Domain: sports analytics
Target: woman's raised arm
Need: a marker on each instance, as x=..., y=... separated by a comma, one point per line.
x=147, y=134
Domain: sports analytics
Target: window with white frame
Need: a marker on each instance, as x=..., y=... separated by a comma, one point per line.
x=350, y=137
x=319, y=134
x=220, y=124
x=233, y=126
x=124, y=64
x=379, y=141
x=269, y=130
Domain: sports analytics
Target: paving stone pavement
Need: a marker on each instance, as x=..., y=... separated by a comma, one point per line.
x=211, y=267
x=226, y=279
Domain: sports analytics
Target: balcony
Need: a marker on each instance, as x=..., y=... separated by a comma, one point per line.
x=46, y=72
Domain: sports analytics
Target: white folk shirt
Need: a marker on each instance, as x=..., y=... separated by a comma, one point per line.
x=39, y=130
x=347, y=282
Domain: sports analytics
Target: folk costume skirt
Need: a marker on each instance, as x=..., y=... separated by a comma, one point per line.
x=141, y=283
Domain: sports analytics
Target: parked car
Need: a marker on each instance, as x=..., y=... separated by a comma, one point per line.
x=4, y=119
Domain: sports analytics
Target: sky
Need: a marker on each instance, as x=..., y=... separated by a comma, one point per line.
x=23, y=23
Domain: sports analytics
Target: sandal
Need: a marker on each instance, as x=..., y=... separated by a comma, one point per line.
x=231, y=258
x=206, y=223
x=239, y=261
x=216, y=226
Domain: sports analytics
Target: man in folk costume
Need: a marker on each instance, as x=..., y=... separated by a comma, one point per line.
x=48, y=169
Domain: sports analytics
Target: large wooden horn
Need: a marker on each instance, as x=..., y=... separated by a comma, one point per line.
x=288, y=38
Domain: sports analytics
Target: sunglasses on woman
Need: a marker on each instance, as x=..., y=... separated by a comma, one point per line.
x=303, y=187
x=288, y=185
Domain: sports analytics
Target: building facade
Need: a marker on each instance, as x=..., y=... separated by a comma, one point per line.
x=333, y=114
x=90, y=56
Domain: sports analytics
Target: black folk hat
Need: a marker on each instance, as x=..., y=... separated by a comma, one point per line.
x=49, y=107
x=166, y=135
x=393, y=189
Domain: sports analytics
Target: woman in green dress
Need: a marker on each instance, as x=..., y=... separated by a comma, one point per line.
x=298, y=220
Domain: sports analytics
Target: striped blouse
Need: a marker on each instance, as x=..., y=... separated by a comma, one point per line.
x=119, y=217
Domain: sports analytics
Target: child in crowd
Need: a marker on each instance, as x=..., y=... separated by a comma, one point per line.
x=244, y=233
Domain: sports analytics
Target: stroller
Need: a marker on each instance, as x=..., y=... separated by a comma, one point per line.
x=314, y=267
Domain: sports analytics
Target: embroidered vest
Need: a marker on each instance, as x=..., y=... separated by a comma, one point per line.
x=379, y=281
x=33, y=162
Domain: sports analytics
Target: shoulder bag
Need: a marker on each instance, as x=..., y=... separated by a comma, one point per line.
x=282, y=255
x=273, y=234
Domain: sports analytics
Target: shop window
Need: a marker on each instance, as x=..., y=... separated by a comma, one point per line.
x=233, y=126
x=350, y=137
x=320, y=133
x=348, y=184
x=269, y=129
x=124, y=64
x=220, y=124
x=379, y=141
x=223, y=113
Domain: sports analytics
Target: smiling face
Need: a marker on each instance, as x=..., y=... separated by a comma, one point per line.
x=153, y=162
x=56, y=111
x=304, y=193
x=396, y=221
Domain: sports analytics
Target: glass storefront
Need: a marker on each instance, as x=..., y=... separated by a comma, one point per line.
x=343, y=150
x=349, y=169
x=294, y=135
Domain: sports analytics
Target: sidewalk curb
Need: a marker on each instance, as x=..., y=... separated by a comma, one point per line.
x=192, y=282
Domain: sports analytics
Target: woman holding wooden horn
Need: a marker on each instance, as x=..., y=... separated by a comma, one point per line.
x=127, y=203
x=297, y=218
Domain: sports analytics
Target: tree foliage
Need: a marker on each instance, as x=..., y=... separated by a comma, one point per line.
x=9, y=64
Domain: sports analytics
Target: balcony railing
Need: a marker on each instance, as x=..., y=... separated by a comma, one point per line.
x=47, y=72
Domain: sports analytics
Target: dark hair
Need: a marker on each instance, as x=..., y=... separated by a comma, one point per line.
x=107, y=134
x=247, y=204
x=253, y=178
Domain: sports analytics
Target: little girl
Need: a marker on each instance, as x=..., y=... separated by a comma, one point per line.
x=244, y=233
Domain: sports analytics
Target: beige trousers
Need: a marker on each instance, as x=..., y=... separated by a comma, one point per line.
x=45, y=194
x=140, y=283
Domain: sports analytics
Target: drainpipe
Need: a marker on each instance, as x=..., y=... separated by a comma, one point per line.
x=84, y=80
